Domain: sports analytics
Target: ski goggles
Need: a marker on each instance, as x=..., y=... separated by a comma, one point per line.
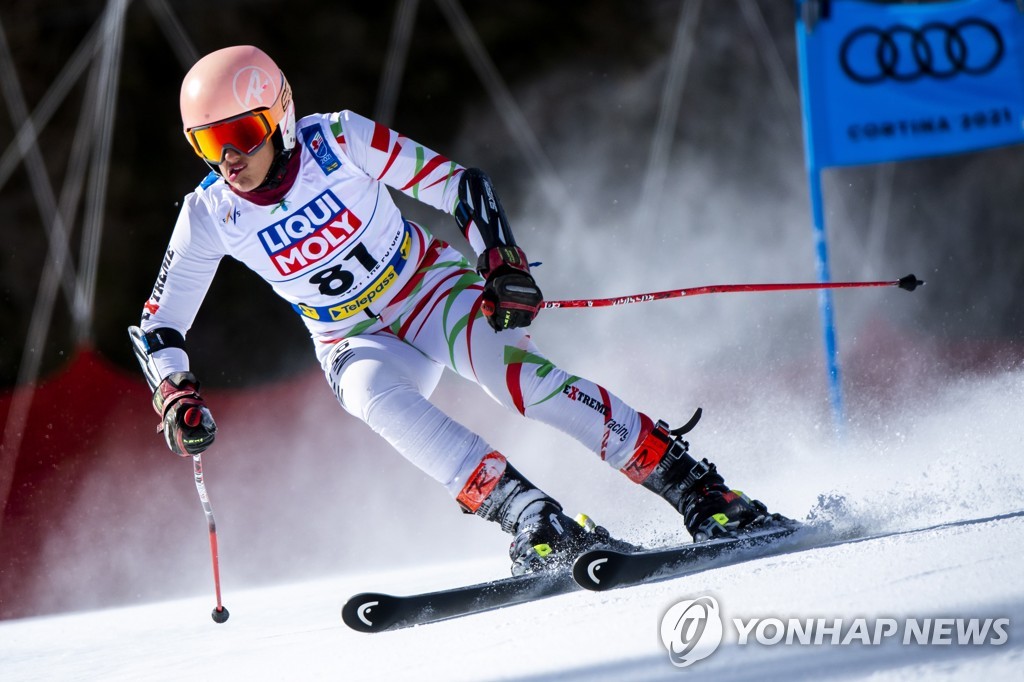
x=245, y=134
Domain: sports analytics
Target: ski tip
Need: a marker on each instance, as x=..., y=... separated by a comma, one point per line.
x=595, y=570
x=369, y=612
x=909, y=283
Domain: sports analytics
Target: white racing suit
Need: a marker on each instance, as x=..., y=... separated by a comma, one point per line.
x=387, y=305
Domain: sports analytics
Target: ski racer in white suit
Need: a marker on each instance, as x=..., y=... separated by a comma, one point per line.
x=303, y=204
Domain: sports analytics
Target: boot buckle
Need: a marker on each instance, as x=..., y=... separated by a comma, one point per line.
x=677, y=449
x=699, y=470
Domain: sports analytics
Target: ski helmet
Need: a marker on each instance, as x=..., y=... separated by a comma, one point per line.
x=236, y=97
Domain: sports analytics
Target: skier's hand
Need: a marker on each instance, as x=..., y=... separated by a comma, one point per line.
x=185, y=419
x=511, y=297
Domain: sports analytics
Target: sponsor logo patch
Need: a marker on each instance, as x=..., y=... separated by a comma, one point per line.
x=317, y=145
x=576, y=395
x=309, y=235
x=153, y=304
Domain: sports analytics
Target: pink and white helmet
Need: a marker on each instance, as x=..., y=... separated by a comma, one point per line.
x=232, y=82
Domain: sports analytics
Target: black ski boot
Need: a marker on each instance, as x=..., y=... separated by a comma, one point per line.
x=696, y=489
x=545, y=538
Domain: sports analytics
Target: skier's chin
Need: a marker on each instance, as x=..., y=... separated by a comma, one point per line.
x=243, y=182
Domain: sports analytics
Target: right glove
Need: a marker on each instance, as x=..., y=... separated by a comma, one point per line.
x=186, y=422
x=511, y=297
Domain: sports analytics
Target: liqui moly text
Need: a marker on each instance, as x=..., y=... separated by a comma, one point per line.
x=309, y=235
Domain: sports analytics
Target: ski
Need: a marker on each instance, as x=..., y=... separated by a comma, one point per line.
x=375, y=612
x=599, y=570
x=603, y=569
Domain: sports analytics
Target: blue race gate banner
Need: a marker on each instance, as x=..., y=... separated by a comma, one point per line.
x=883, y=82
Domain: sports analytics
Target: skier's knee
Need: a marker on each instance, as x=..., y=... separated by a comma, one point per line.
x=377, y=407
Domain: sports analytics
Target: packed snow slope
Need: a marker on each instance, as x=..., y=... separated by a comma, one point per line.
x=964, y=570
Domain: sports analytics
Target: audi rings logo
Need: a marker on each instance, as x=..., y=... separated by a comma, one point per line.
x=691, y=630
x=871, y=55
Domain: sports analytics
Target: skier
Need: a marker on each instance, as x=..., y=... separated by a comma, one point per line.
x=389, y=307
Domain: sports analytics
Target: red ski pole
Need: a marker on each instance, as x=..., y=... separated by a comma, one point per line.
x=220, y=614
x=909, y=283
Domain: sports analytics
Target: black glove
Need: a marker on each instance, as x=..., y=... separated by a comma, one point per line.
x=185, y=420
x=511, y=296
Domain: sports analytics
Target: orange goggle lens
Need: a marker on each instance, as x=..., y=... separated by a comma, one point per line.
x=244, y=134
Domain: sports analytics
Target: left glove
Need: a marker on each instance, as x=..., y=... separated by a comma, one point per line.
x=185, y=419
x=511, y=296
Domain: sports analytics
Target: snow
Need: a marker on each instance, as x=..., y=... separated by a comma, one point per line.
x=964, y=570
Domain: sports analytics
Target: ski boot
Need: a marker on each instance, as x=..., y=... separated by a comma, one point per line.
x=544, y=537
x=694, y=488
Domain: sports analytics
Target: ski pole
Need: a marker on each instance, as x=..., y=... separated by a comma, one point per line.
x=220, y=614
x=908, y=283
